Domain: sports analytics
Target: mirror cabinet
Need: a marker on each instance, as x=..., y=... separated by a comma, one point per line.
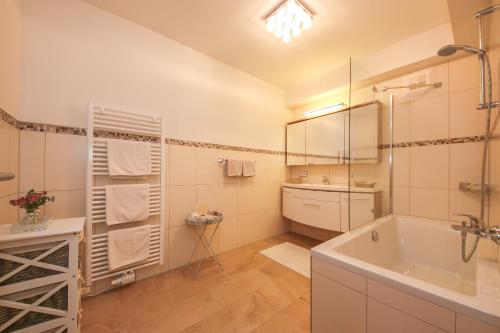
x=345, y=136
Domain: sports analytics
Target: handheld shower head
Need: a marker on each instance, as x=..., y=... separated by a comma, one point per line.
x=448, y=50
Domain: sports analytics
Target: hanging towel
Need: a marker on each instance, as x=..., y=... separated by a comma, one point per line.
x=128, y=246
x=248, y=168
x=128, y=158
x=234, y=168
x=127, y=203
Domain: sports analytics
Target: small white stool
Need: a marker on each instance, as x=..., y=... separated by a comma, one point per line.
x=200, y=225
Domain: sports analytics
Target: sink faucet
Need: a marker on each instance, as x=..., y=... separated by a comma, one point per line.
x=473, y=226
x=325, y=180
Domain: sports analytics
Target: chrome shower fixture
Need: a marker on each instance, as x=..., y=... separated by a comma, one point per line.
x=448, y=50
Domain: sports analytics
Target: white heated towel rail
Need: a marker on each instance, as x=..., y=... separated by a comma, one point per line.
x=108, y=123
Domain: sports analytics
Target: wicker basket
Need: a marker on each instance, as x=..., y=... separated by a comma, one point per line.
x=57, y=301
x=59, y=258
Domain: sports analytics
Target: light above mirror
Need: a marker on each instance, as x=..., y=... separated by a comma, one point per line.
x=324, y=110
x=289, y=20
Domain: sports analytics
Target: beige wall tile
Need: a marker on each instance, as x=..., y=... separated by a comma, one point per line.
x=429, y=166
x=182, y=202
x=228, y=199
x=340, y=174
x=9, y=157
x=67, y=204
x=273, y=194
x=167, y=164
x=31, y=160
x=401, y=200
x=464, y=203
x=275, y=168
x=438, y=73
x=65, y=162
x=246, y=198
x=430, y=203
x=182, y=165
x=245, y=229
x=401, y=116
x=181, y=242
x=261, y=196
x=228, y=234
x=207, y=166
x=277, y=224
x=8, y=213
x=465, y=120
x=317, y=173
x=208, y=194
x=261, y=225
x=429, y=118
x=464, y=73
x=494, y=162
x=401, y=167
x=465, y=163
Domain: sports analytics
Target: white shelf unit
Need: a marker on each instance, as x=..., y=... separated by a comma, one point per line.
x=106, y=123
x=40, y=278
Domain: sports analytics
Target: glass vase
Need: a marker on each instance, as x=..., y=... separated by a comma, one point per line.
x=32, y=218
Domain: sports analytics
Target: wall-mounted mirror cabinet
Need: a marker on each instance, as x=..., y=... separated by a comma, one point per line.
x=326, y=139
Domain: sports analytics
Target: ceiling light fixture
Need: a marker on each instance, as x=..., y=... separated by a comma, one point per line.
x=288, y=20
x=325, y=110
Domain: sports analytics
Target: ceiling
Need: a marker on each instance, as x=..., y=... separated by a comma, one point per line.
x=233, y=31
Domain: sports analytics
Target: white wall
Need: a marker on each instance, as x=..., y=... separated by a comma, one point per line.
x=10, y=34
x=73, y=52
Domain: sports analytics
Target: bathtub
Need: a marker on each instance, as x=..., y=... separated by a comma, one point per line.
x=420, y=257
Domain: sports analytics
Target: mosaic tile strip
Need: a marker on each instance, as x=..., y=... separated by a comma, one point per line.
x=125, y=136
x=5, y=116
x=39, y=127
x=179, y=142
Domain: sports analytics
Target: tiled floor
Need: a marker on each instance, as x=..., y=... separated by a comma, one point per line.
x=252, y=294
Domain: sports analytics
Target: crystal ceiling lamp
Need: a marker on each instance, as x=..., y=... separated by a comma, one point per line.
x=288, y=20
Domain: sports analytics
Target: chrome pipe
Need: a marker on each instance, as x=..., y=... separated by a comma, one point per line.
x=487, y=10
x=482, y=95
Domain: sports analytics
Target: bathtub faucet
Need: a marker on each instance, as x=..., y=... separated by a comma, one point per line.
x=474, y=226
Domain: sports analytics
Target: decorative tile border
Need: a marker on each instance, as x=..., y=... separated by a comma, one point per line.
x=179, y=142
x=5, y=116
x=37, y=127
x=48, y=128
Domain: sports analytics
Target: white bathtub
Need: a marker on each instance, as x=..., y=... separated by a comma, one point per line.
x=421, y=257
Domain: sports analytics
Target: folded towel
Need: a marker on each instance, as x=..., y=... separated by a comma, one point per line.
x=128, y=158
x=127, y=203
x=128, y=246
x=248, y=168
x=234, y=168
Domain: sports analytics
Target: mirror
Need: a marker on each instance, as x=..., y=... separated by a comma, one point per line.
x=296, y=143
x=325, y=139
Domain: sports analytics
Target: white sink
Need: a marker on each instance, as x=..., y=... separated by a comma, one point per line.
x=333, y=188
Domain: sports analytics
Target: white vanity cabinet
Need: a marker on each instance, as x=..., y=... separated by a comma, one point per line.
x=327, y=206
x=40, y=278
x=319, y=209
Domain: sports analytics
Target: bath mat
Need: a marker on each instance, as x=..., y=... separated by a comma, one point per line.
x=292, y=256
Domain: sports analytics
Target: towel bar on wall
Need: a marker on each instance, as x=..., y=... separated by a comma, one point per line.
x=222, y=160
x=6, y=176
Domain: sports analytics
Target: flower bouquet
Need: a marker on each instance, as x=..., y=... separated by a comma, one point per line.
x=31, y=203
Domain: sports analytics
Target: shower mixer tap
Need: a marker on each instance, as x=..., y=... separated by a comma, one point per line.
x=474, y=226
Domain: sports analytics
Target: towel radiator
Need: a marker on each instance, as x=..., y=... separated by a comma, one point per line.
x=106, y=123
